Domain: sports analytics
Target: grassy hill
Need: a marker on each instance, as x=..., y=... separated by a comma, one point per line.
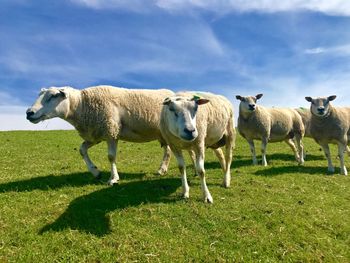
x=52, y=209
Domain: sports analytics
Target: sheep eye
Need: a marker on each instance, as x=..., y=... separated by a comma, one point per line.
x=176, y=115
x=49, y=98
x=53, y=96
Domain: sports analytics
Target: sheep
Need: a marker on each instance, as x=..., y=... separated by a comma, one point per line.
x=330, y=125
x=105, y=113
x=256, y=122
x=306, y=117
x=193, y=121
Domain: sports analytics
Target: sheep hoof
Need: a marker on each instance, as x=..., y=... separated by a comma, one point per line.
x=98, y=176
x=208, y=199
x=330, y=170
x=226, y=185
x=185, y=195
x=112, y=182
x=161, y=171
x=95, y=172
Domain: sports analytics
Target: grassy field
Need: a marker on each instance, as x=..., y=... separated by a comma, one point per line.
x=52, y=210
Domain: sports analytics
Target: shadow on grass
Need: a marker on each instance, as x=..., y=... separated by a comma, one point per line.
x=237, y=161
x=273, y=171
x=89, y=213
x=50, y=182
x=290, y=157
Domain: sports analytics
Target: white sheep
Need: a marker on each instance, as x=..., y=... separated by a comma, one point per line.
x=189, y=122
x=306, y=117
x=330, y=125
x=105, y=113
x=256, y=122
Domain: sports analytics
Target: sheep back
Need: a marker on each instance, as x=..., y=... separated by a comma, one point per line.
x=276, y=124
x=127, y=114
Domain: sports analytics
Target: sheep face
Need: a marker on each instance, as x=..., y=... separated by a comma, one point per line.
x=51, y=103
x=182, y=116
x=320, y=106
x=248, y=104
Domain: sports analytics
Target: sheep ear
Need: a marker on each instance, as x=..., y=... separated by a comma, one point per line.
x=202, y=101
x=330, y=98
x=63, y=93
x=167, y=101
x=309, y=99
x=199, y=100
x=258, y=96
x=239, y=97
x=42, y=91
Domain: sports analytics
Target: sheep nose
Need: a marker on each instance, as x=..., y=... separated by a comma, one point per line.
x=251, y=106
x=189, y=131
x=29, y=113
x=320, y=110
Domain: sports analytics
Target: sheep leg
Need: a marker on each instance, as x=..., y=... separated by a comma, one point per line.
x=201, y=172
x=220, y=155
x=182, y=168
x=252, y=150
x=300, y=146
x=294, y=149
x=347, y=149
x=341, y=150
x=193, y=159
x=165, y=161
x=112, y=156
x=228, y=159
x=325, y=148
x=84, y=153
x=263, y=151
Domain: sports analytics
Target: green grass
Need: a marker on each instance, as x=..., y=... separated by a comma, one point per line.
x=51, y=208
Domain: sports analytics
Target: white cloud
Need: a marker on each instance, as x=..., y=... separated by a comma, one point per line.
x=317, y=50
x=130, y=5
x=343, y=50
x=333, y=7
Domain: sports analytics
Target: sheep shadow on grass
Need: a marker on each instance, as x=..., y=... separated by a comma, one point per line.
x=52, y=182
x=89, y=213
x=290, y=157
x=237, y=161
x=291, y=169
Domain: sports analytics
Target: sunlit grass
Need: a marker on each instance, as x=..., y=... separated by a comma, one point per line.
x=52, y=210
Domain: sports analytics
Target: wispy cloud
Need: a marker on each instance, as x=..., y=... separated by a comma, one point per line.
x=334, y=7
x=219, y=46
x=139, y=6
x=343, y=50
x=317, y=50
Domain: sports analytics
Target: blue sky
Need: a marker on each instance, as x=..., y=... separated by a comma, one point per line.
x=285, y=49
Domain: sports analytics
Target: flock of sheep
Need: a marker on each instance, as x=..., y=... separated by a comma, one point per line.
x=189, y=121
